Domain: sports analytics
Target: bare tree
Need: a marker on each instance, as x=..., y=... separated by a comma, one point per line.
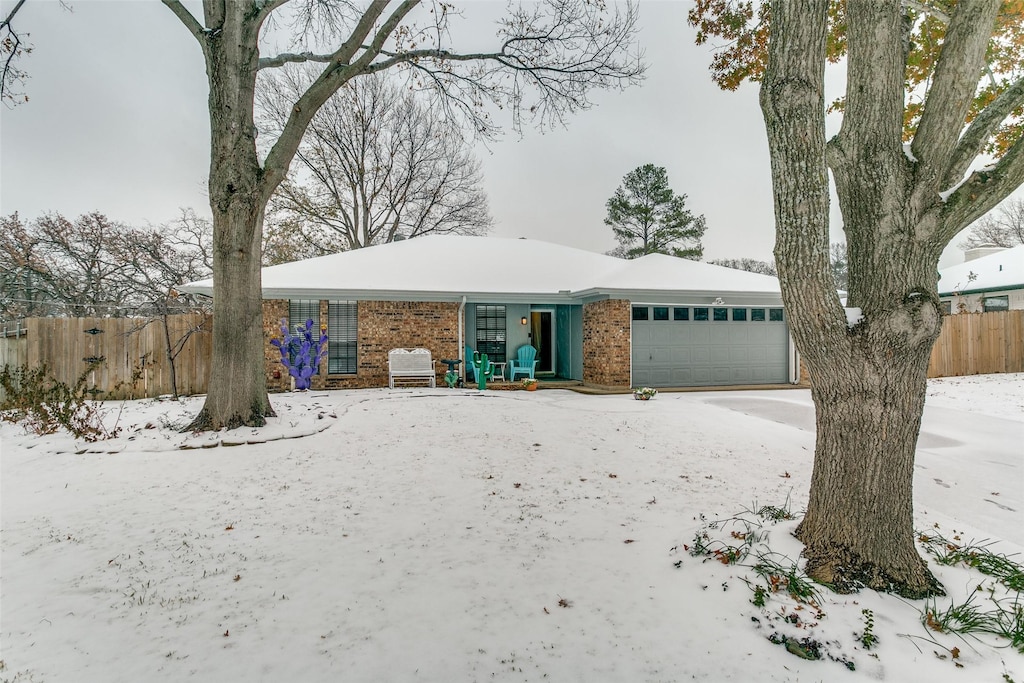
x=548, y=56
x=161, y=259
x=748, y=264
x=12, y=49
x=93, y=266
x=87, y=265
x=1002, y=228
x=377, y=163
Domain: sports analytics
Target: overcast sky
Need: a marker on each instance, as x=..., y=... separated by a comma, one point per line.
x=117, y=123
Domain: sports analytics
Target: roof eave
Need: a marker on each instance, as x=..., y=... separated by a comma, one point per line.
x=983, y=290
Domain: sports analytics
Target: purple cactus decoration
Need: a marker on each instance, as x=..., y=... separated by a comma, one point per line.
x=300, y=352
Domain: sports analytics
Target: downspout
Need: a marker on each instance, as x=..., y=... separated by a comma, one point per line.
x=794, y=362
x=462, y=345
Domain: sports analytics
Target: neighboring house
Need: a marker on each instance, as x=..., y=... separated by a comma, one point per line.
x=653, y=321
x=991, y=279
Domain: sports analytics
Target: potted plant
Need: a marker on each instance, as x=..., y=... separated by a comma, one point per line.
x=529, y=383
x=644, y=393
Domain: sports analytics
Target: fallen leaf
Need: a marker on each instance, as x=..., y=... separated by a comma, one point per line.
x=225, y=634
x=628, y=540
x=229, y=527
x=955, y=652
x=238, y=577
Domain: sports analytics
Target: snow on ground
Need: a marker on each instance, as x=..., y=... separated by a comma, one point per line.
x=453, y=535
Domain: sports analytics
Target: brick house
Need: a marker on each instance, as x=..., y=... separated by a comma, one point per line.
x=596, y=319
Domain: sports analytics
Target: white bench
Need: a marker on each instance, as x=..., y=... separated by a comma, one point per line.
x=410, y=364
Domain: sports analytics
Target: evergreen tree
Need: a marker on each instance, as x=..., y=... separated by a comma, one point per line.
x=648, y=217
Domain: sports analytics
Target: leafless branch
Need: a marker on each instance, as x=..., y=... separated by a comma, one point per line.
x=186, y=18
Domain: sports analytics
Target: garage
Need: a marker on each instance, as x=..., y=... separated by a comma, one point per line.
x=688, y=346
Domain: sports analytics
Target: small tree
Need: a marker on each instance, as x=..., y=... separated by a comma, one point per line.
x=648, y=217
x=1002, y=228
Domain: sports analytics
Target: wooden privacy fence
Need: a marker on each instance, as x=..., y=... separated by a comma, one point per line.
x=132, y=353
x=979, y=343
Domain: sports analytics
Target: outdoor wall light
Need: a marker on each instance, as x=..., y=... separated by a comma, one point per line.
x=523, y=320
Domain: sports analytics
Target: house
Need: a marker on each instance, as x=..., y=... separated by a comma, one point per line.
x=655, y=321
x=990, y=279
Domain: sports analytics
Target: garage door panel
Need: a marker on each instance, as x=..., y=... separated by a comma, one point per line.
x=707, y=353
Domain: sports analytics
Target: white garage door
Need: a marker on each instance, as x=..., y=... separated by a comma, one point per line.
x=684, y=346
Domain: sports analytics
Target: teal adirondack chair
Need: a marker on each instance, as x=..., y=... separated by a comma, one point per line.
x=525, y=362
x=470, y=368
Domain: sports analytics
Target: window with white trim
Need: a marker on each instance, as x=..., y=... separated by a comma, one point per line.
x=342, y=334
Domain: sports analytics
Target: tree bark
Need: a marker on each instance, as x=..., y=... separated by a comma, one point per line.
x=237, y=393
x=868, y=379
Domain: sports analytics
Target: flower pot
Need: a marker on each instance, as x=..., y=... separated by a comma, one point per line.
x=531, y=387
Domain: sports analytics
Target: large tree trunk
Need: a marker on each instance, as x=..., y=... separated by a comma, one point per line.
x=237, y=394
x=868, y=378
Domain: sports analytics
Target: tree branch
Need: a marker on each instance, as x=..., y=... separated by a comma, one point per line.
x=190, y=22
x=11, y=44
x=292, y=58
x=333, y=77
x=983, y=191
x=983, y=126
x=10, y=15
x=960, y=64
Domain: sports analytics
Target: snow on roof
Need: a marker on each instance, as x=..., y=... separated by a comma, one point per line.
x=661, y=272
x=446, y=267
x=998, y=271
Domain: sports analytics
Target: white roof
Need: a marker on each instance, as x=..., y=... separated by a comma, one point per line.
x=999, y=271
x=448, y=267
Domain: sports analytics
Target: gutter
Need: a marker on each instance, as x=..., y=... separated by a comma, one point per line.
x=984, y=290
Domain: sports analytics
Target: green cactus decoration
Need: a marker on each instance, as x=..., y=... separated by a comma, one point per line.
x=483, y=368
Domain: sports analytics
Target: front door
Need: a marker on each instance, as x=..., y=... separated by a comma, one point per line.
x=542, y=336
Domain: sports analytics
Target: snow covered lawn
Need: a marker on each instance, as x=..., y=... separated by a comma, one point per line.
x=449, y=535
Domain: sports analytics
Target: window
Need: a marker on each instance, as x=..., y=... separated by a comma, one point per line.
x=342, y=324
x=739, y=314
x=721, y=314
x=639, y=313
x=947, y=307
x=661, y=312
x=681, y=313
x=301, y=310
x=995, y=303
x=775, y=315
x=700, y=314
x=490, y=332
x=757, y=315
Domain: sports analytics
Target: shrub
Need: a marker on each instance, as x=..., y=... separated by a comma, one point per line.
x=43, y=404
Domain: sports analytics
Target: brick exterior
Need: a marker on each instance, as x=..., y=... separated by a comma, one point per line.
x=607, y=343
x=274, y=311
x=382, y=326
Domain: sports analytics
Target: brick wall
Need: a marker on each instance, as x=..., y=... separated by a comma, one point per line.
x=382, y=326
x=274, y=311
x=607, y=326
